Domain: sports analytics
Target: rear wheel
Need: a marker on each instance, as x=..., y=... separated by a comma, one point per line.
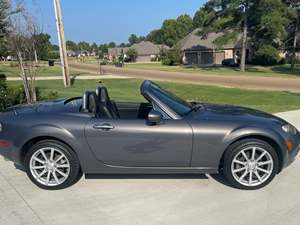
x=250, y=164
x=52, y=165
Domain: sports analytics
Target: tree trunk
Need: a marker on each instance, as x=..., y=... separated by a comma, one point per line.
x=33, y=92
x=35, y=57
x=293, y=61
x=24, y=78
x=244, y=44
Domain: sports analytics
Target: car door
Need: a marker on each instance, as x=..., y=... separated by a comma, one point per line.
x=134, y=143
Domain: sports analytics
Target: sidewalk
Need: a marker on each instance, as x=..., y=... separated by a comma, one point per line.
x=84, y=77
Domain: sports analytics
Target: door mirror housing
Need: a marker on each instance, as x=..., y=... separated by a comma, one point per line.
x=154, y=117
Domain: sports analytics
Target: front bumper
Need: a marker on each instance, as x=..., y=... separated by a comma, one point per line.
x=291, y=155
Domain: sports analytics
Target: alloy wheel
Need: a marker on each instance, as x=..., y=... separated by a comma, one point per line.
x=49, y=166
x=252, y=166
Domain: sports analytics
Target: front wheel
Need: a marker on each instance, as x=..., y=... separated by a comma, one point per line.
x=250, y=164
x=52, y=165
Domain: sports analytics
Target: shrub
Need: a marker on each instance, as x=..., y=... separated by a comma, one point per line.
x=266, y=55
x=54, y=55
x=13, y=64
x=171, y=57
x=132, y=54
x=16, y=95
x=3, y=92
x=51, y=96
x=104, y=62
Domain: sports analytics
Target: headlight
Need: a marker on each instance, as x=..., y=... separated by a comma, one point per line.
x=289, y=129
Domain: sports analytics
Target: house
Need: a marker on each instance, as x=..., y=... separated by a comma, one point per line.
x=71, y=53
x=146, y=51
x=114, y=53
x=297, y=49
x=199, y=50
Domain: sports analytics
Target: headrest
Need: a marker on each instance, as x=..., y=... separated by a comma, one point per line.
x=104, y=97
x=89, y=102
x=93, y=103
x=98, y=90
x=85, y=102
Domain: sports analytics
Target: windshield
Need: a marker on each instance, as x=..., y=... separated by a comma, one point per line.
x=178, y=105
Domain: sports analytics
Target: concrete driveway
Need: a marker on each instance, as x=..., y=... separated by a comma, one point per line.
x=184, y=200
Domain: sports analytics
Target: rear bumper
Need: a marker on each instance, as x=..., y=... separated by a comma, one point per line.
x=11, y=153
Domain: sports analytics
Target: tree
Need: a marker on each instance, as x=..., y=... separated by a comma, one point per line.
x=71, y=46
x=184, y=25
x=23, y=41
x=55, y=48
x=171, y=57
x=266, y=55
x=294, y=30
x=204, y=16
x=248, y=18
x=112, y=45
x=122, y=45
x=94, y=48
x=3, y=92
x=132, y=54
x=4, y=13
x=156, y=36
x=84, y=46
x=231, y=18
x=268, y=27
x=172, y=31
x=133, y=39
x=4, y=50
x=103, y=49
x=42, y=45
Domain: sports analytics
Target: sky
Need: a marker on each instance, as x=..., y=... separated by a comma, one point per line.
x=103, y=21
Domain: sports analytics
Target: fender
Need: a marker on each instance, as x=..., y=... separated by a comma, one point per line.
x=77, y=143
x=244, y=132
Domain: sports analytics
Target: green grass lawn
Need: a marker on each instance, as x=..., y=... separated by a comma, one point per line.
x=128, y=90
x=12, y=70
x=279, y=71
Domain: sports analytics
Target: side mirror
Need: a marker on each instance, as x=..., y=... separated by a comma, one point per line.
x=154, y=117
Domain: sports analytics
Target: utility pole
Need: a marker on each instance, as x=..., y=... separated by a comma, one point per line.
x=62, y=43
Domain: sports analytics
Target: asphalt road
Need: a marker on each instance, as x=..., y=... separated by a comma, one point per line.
x=244, y=82
x=148, y=200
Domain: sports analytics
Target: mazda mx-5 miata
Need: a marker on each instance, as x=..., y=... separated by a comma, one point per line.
x=56, y=142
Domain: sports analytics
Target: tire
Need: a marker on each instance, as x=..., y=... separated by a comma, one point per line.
x=63, y=173
x=254, y=173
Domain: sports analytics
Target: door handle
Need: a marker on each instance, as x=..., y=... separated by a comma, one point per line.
x=104, y=126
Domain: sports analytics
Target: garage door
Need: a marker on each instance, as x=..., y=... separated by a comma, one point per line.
x=207, y=58
x=191, y=58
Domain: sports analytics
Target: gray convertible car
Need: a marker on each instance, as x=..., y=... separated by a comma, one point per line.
x=56, y=142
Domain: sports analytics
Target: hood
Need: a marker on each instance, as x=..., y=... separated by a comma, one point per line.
x=235, y=113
